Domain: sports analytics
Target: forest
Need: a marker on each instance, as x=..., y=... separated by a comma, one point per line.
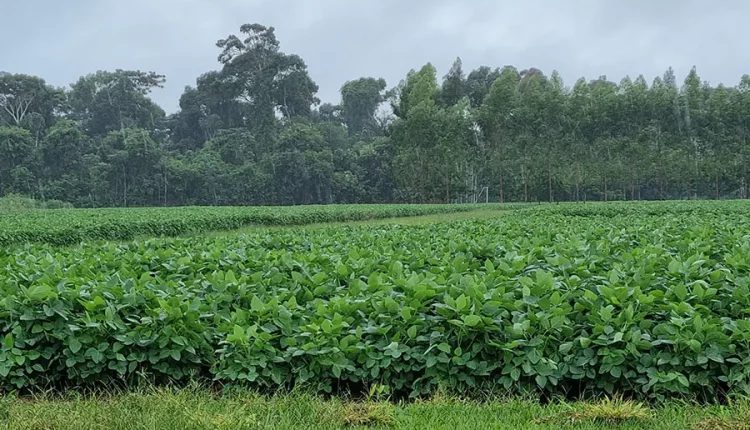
x=253, y=132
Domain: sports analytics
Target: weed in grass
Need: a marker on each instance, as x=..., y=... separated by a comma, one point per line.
x=237, y=418
x=615, y=409
x=369, y=414
x=609, y=410
x=723, y=423
x=5, y=404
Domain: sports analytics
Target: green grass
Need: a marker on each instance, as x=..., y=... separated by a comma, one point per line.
x=165, y=409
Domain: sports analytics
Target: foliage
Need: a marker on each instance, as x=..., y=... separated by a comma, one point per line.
x=646, y=299
x=73, y=226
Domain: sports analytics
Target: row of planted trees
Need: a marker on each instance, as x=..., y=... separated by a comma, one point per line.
x=533, y=139
x=253, y=132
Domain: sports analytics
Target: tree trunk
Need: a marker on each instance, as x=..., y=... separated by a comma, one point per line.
x=41, y=189
x=578, y=181
x=661, y=165
x=502, y=186
x=744, y=178
x=525, y=185
x=549, y=180
x=661, y=185
x=165, y=189
x=447, y=188
x=421, y=181
x=716, y=186
x=124, y=188
x=605, y=187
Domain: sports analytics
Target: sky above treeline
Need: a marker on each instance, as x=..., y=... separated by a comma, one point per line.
x=342, y=40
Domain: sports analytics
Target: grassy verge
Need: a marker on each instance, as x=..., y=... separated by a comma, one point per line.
x=162, y=409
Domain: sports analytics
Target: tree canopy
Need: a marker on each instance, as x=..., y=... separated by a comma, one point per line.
x=254, y=132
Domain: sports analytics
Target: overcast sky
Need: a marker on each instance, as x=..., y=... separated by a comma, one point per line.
x=346, y=39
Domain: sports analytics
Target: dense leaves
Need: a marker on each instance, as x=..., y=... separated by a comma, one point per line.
x=639, y=298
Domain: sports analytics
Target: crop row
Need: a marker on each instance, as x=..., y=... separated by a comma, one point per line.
x=655, y=305
x=71, y=226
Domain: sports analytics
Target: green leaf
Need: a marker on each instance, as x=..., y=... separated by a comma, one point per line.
x=541, y=380
x=291, y=303
x=406, y=313
x=298, y=278
x=412, y=332
x=675, y=267
x=488, y=266
x=461, y=302
x=39, y=292
x=8, y=342
x=342, y=271
x=515, y=374
x=472, y=320
x=545, y=280
x=445, y=348
x=391, y=305
x=257, y=304
x=75, y=345
x=680, y=291
x=683, y=380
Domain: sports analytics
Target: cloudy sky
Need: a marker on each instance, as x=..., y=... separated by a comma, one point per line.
x=347, y=39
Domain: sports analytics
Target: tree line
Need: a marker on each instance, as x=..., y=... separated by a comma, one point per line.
x=253, y=132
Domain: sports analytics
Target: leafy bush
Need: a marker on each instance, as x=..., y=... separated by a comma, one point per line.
x=652, y=305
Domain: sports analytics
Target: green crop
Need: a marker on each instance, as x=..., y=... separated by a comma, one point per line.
x=652, y=300
x=68, y=227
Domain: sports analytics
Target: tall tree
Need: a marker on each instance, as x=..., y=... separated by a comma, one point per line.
x=261, y=77
x=497, y=121
x=24, y=95
x=360, y=100
x=106, y=101
x=478, y=84
x=17, y=147
x=454, y=86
